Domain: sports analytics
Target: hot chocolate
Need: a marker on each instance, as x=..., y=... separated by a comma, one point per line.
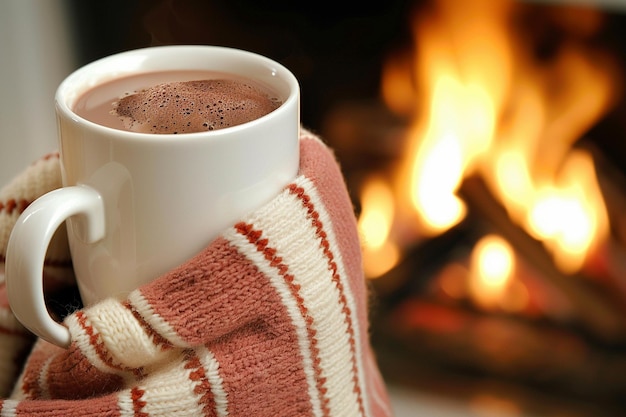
x=176, y=102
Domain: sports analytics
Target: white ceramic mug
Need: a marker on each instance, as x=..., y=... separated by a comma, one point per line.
x=137, y=205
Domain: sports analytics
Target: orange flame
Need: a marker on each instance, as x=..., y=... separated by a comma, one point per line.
x=375, y=223
x=480, y=103
x=458, y=103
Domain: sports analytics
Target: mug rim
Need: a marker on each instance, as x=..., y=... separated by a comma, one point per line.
x=137, y=57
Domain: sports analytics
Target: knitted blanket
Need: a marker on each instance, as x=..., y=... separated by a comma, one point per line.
x=269, y=320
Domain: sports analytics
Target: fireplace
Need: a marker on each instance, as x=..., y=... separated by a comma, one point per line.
x=482, y=145
x=489, y=181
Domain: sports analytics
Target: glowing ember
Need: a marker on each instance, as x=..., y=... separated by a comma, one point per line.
x=491, y=270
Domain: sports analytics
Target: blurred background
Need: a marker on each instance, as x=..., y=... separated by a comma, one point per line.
x=482, y=144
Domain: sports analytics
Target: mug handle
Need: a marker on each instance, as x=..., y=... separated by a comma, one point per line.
x=27, y=249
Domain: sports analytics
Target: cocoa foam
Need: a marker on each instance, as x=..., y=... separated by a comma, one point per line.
x=193, y=106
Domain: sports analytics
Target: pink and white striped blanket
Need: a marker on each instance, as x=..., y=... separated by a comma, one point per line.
x=269, y=320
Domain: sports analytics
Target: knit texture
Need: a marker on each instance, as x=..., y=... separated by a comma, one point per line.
x=270, y=319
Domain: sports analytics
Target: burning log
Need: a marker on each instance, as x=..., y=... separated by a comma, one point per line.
x=594, y=311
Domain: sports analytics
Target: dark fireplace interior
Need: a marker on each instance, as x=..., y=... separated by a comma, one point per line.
x=492, y=303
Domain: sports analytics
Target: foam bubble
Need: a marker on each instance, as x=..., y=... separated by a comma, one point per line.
x=193, y=106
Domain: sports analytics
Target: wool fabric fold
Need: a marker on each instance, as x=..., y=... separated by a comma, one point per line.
x=270, y=319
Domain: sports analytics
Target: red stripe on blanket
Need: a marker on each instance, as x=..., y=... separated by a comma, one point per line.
x=97, y=406
x=12, y=205
x=31, y=388
x=317, y=163
x=136, y=395
x=314, y=216
x=70, y=375
x=157, y=339
x=255, y=238
x=321, y=168
x=100, y=348
x=202, y=387
x=221, y=300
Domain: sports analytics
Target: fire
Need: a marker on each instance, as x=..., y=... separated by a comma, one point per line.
x=491, y=271
x=375, y=223
x=460, y=128
x=571, y=218
x=480, y=103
